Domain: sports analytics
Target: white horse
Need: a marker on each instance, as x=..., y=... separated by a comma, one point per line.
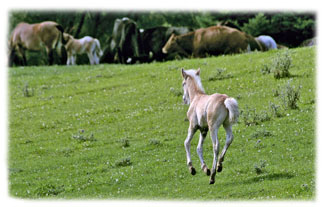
x=207, y=112
x=267, y=41
x=87, y=44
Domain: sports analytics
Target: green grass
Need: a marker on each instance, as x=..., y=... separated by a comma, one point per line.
x=117, y=131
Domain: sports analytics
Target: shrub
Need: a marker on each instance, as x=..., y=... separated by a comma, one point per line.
x=220, y=75
x=257, y=25
x=81, y=137
x=276, y=92
x=261, y=133
x=292, y=28
x=275, y=110
x=154, y=142
x=290, y=95
x=125, y=142
x=123, y=162
x=27, y=91
x=266, y=69
x=260, y=167
x=281, y=65
x=176, y=92
x=251, y=117
x=287, y=28
x=49, y=190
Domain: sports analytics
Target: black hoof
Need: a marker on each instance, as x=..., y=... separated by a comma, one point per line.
x=208, y=172
x=192, y=170
x=219, y=168
x=211, y=182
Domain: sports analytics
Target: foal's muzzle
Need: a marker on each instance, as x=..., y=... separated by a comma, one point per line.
x=185, y=100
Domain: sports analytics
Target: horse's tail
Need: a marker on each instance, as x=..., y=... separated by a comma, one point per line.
x=232, y=106
x=60, y=28
x=60, y=45
x=98, y=50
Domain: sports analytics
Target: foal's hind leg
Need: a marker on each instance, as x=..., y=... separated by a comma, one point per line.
x=96, y=58
x=91, y=58
x=229, y=140
x=215, y=143
x=199, y=150
x=187, y=144
x=74, y=59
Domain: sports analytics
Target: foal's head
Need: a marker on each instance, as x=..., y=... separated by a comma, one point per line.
x=191, y=81
x=67, y=37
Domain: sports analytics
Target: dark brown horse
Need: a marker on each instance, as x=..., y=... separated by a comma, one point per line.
x=35, y=37
x=215, y=40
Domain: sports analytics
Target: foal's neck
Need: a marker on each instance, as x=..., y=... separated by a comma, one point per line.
x=194, y=90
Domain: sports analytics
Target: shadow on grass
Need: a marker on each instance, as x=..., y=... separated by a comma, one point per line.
x=261, y=178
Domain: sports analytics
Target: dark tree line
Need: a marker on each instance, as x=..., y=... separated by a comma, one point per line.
x=287, y=28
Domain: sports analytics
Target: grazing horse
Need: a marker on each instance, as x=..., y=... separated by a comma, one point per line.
x=207, y=112
x=156, y=37
x=126, y=43
x=35, y=37
x=215, y=40
x=87, y=44
x=267, y=42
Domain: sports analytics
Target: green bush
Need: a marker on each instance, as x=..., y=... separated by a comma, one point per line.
x=292, y=28
x=276, y=110
x=281, y=65
x=258, y=25
x=123, y=162
x=290, y=95
x=81, y=137
x=289, y=28
x=27, y=90
x=220, y=75
x=266, y=69
x=252, y=118
x=125, y=142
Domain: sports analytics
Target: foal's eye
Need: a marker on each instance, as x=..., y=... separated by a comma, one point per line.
x=183, y=84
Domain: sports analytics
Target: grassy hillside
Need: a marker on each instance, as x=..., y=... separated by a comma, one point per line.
x=117, y=131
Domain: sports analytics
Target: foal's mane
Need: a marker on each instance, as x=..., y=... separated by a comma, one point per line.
x=196, y=79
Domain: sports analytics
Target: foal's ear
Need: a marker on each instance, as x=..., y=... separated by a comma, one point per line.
x=198, y=72
x=184, y=73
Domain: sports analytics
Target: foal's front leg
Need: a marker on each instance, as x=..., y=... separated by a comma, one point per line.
x=187, y=144
x=69, y=60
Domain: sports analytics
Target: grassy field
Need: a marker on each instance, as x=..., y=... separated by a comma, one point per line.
x=117, y=131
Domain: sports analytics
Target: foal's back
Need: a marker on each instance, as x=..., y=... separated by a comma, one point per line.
x=216, y=110
x=87, y=43
x=207, y=109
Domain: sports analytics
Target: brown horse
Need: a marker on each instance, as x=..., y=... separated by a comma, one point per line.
x=215, y=40
x=35, y=37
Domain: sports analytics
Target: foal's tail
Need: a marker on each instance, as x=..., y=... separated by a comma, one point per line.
x=232, y=106
x=98, y=50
